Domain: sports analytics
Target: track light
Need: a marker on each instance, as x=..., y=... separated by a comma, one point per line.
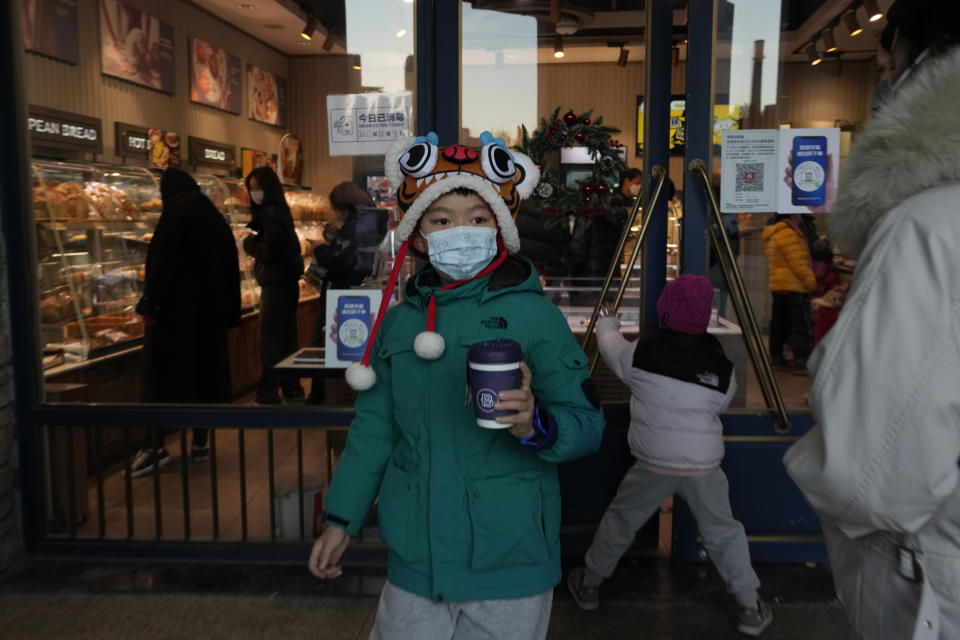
x=558, y=47
x=622, y=59
x=829, y=42
x=328, y=42
x=853, y=25
x=309, y=28
x=814, y=56
x=873, y=11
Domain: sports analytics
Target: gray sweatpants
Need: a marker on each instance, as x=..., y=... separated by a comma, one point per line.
x=402, y=615
x=640, y=494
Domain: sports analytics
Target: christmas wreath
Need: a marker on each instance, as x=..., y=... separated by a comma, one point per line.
x=586, y=198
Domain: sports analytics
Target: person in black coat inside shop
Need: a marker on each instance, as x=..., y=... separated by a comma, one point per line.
x=191, y=297
x=594, y=242
x=277, y=267
x=545, y=245
x=347, y=258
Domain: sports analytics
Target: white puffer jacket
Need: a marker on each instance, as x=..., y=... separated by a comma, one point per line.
x=882, y=464
x=677, y=393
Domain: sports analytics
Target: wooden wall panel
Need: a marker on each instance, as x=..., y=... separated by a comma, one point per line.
x=818, y=96
x=608, y=89
x=313, y=79
x=83, y=89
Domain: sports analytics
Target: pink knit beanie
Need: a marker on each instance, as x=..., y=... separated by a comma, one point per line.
x=684, y=305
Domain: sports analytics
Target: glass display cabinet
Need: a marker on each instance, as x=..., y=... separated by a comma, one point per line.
x=93, y=227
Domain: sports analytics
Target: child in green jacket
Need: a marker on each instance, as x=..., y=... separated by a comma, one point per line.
x=471, y=515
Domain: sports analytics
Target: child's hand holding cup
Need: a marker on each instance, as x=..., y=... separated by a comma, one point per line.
x=494, y=367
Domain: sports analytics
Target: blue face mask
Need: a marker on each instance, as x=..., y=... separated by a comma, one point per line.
x=460, y=253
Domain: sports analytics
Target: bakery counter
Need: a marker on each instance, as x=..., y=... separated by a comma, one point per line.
x=116, y=376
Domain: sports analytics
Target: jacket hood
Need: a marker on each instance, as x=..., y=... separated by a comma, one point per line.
x=776, y=227
x=911, y=145
x=174, y=182
x=515, y=274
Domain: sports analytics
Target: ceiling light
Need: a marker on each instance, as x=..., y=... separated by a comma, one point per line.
x=245, y=7
x=853, y=25
x=829, y=42
x=309, y=28
x=815, y=58
x=567, y=27
x=622, y=59
x=356, y=63
x=558, y=47
x=873, y=11
x=401, y=33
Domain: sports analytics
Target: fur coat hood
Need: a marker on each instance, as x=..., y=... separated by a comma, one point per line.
x=911, y=145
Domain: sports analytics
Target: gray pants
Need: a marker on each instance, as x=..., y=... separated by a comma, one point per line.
x=402, y=615
x=638, y=497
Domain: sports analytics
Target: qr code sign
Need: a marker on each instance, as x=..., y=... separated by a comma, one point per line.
x=749, y=176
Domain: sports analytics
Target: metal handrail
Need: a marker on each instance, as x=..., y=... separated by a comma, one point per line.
x=659, y=173
x=742, y=305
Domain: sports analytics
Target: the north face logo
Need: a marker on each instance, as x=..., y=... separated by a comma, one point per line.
x=709, y=379
x=494, y=322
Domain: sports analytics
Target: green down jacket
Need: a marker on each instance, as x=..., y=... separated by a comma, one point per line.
x=466, y=512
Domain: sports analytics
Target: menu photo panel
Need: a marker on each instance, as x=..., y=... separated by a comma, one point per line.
x=50, y=28
x=267, y=96
x=214, y=76
x=135, y=46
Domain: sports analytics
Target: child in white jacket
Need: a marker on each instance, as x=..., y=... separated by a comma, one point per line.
x=680, y=382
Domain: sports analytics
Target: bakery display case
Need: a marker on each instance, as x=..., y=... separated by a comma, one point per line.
x=93, y=227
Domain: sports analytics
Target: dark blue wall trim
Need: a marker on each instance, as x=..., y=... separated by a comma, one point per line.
x=15, y=205
x=699, y=143
x=656, y=150
x=438, y=69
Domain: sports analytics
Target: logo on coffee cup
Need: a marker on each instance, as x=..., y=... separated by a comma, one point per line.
x=486, y=398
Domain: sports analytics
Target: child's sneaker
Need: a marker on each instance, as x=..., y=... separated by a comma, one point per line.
x=754, y=622
x=587, y=598
x=146, y=459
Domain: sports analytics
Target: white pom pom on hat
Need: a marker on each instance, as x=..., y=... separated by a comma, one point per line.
x=360, y=377
x=429, y=345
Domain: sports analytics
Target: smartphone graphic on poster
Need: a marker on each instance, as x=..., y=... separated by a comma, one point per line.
x=809, y=171
x=353, y=327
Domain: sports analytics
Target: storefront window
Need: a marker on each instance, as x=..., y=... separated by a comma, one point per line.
x=520, y=63
x=773, y=66
x=318, y=107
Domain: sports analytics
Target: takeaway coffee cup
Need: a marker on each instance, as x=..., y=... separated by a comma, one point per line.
x=493, y=366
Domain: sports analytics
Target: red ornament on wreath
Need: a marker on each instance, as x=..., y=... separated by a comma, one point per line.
x=587, y=189
x=601, y=188
x=586, y=121
x=570, y=117
x=580, y=136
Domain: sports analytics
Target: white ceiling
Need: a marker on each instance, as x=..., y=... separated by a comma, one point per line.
x=270, y=12
x=286, y=15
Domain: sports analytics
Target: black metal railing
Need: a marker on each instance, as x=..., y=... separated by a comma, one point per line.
x=259, y=484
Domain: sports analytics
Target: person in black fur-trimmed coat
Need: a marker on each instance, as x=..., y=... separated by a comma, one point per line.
x=680, y=382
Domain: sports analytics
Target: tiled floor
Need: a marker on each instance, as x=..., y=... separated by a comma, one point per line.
x=646, y=597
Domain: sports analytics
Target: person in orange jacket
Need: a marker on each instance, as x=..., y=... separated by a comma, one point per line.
x=791, y=280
